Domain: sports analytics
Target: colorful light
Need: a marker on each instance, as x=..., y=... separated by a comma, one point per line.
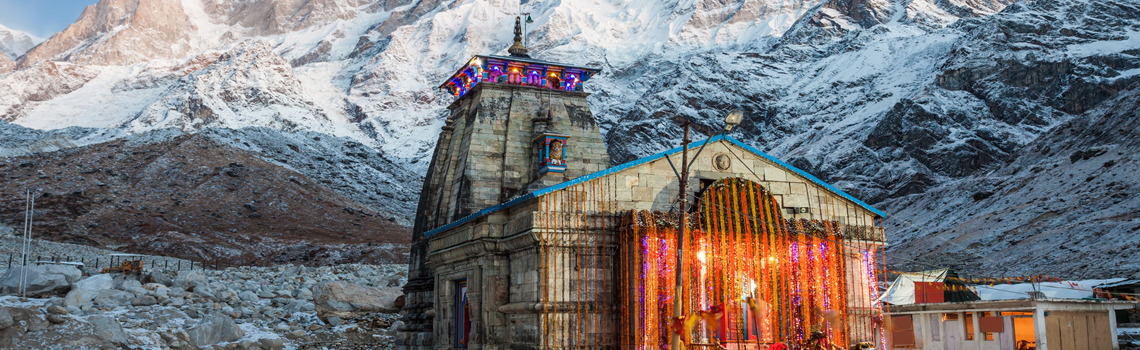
x=802, y=276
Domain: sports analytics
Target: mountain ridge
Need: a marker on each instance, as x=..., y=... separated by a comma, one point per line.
x=14, y=43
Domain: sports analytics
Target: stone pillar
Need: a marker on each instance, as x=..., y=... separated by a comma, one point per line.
x=1039, y=327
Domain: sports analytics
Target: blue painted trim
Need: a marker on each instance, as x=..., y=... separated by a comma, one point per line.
x=637, y=162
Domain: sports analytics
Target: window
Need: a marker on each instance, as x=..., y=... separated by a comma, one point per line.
x=948, y=317
x=969, y=321
x=462, y=314
x=989, y=336
x=935, y=327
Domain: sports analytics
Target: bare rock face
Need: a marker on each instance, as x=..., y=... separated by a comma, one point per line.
x=6, y=64
x=347, y=300
x=247, y=86
x=266, y=17
x=120, y=32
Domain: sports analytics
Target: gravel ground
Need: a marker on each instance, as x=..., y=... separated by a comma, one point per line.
x=243, y=308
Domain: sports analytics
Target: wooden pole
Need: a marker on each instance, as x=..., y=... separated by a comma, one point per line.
x=681, y=225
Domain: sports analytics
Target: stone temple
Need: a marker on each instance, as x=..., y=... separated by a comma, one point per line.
x=526, y=237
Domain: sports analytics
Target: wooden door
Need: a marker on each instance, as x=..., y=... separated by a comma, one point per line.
x=952, y=332
x=1067, y=330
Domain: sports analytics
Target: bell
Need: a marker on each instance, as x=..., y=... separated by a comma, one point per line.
x=528, y=19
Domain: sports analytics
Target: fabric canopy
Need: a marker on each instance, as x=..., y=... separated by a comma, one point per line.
x=901, y=292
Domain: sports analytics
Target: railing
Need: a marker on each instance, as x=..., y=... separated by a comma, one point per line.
x=90, y=266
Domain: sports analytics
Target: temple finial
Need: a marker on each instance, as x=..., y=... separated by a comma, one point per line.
x=517, y=49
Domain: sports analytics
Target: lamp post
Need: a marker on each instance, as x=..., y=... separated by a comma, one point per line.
x=528, y=20
x=731, y=120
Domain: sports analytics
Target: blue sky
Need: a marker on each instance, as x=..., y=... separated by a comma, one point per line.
x=41, y=18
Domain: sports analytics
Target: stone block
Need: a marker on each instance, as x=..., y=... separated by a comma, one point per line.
x=644, y=194
x=631, y=181
x=778, y=187
x=651, y=180
x=774, y=174
x=798, y=188
x=795, y=201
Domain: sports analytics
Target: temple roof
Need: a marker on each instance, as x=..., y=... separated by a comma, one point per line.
x=490, y=67
x=631, y=164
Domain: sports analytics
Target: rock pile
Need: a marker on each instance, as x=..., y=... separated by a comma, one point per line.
x=268, y=308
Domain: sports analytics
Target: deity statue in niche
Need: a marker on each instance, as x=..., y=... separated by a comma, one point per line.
x=556, y=150
x=551, y=149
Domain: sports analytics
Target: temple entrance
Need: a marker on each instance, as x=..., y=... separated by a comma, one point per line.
x=752, y=278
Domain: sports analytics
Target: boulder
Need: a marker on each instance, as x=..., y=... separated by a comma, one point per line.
x=144, y=301
x=112, y=298
x=84, y=291
x=213, y=329
x=303, y=294
x=294, y=335
x=56, y=310
x=271, y=343
x=394, y=329
x=56, y=319
x=24, y=320
x=159, y=278
x=6, y=319
x=188, y=280
x=128, y=284
x=158, y=290
x=42, y=280
x=249, y=296
x=347, y=300
x=107, y=328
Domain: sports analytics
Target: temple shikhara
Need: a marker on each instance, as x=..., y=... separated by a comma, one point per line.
x=526, y=237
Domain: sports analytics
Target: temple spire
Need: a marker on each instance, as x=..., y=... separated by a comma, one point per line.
x=517, y=49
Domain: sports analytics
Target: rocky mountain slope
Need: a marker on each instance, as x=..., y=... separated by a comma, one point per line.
x=1068, y=204
x=887, y=99
x=194, y=196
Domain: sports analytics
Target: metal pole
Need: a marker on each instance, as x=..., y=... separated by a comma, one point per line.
x=679, y=291
x=24, y=241
x=28, y=245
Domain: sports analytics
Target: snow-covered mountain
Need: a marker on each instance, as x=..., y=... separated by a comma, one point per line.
x=14, y=43
x=887, y=99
